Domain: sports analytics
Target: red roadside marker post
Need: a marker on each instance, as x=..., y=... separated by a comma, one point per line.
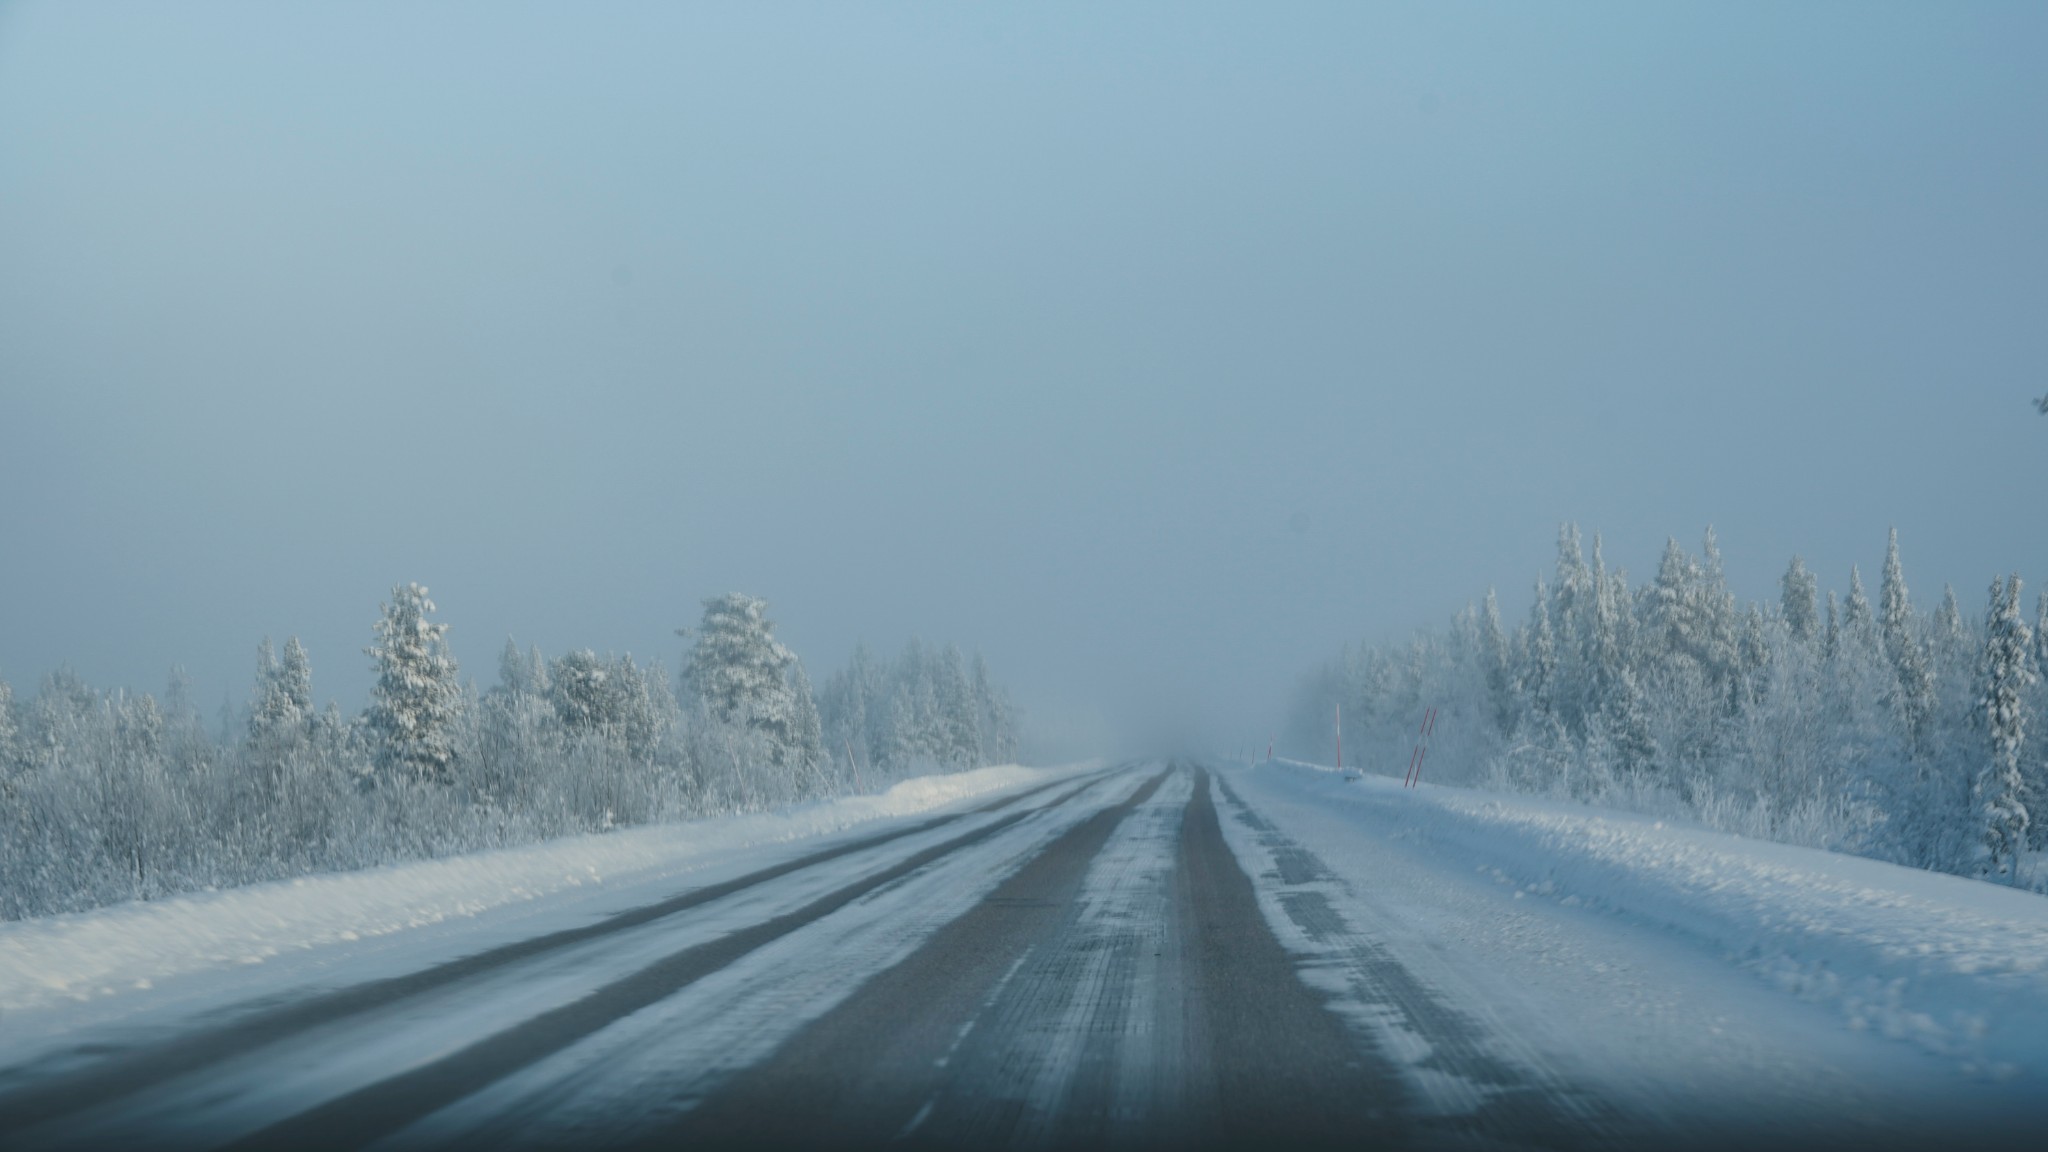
x=1421, y=752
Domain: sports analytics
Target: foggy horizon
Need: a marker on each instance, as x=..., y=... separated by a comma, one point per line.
x=1156, y=353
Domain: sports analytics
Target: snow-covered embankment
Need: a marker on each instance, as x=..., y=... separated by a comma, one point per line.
x=1957, y=966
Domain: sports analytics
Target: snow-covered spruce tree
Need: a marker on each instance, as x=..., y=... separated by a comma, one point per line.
x=1831, y=635
x=2041, y=636
x=416, y=702
x=915, y=681
x=519, y=733
x=998, y=719
x=897, y=738
x=1674, y=632
x=1799, y=600
x=1493, y=658
x=1538, y=672
x=1723, y=624
x=10, y=741
x=1753, y=659
x=1912, y=697
x=522, y=673
x=607, y=698
x=1949, y=634
x=742, y=673
x=959, y=718
x=846, y=708
x=2004, y=674
x=282, y=705
x=280, y=713
x=806, y=727
x=1856, y=614
x=585, y=697
x=1571, y=606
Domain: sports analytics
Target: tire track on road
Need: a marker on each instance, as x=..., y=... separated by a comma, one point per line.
x=858, y=1075
x=112, y=1075
x=1072, y=1048
x=1476, y=1093
x=1275, y=1067
x=362, y=1116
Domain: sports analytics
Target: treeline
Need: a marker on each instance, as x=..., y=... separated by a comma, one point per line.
x=1869, y=728
x=109, y=796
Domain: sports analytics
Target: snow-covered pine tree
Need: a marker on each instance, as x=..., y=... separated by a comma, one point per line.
x=1912, y=699
x=1627, y=725
x=848, y=712
x=998, y=720
x=742, y=672
x=916, y=731
x=1831, y=638
x=896, y=737
x=959, y=718
x=1948, y=620
x=1856, y=612
x=806, y=730
x=1605, y=657
x=1721, y=624
x=2041, y=636
x=515, y=673
x=1755, y=657
x=1799, y=600
x=1493, y=661
x=10, y=739
x=1537, y=678
x=586, y=695
x=416, y=702
x=1673, y=632
x=263, y=697
x=2004, y=674
x=295, y=679
x=280, y=709
x=1570, y=611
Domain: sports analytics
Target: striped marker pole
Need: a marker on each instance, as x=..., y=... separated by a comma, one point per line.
x=1421, y=752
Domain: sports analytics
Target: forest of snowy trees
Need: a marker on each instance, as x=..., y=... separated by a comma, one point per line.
x=1834, y=722
x=108, y=796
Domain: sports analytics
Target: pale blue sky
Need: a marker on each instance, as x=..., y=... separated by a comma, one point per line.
x=1156, y=350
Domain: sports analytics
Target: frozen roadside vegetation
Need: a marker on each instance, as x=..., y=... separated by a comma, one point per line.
x=1956, y=966
x=107, y=797
x=135, y=945
x=1864, y=725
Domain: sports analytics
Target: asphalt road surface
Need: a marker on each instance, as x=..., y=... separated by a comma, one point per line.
x=1087, y=964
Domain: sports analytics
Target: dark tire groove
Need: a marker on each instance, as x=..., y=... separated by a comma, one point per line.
x=855, y=1077
x=1272, y=1065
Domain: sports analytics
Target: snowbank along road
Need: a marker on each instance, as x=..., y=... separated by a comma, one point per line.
x=1161, y=954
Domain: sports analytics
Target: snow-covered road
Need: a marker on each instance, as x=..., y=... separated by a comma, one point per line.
x=1160, y=954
